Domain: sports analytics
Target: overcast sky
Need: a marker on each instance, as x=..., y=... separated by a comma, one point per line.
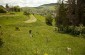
x=29, y=3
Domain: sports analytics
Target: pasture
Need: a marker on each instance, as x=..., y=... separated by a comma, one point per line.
x=45, y=40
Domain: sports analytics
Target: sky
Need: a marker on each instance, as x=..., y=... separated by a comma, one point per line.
x=29, y=3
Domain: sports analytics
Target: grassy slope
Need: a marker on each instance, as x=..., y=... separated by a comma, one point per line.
x=44, y=39
x=44, y=7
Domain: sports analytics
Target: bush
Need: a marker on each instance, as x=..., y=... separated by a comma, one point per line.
x=12, y=13
x=74, y=30
x=1, y=42
x=69, y=29
x=26, y=13
x=0, y=26
x=2, y=9
x=79, y=30
x=61, y=28
x=83, y=30
x=17, y=29
x=16, y=8
x=49, y=20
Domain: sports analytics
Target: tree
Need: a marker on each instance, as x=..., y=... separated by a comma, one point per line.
x=71, y=13
x=81, y=11
x=74, y=14
x=7, y=7
x=61, y=18
x=2, y=9
x=16, y=8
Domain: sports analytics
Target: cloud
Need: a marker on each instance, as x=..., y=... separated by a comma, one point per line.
x=31, y=3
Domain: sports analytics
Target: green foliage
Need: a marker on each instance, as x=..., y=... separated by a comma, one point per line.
x=74, y=30
x=13, y=13
x=61, y=18
x=83, y=30
x=17, y=29
x=44, y=40
x=49, y=19
x=1, y=42
x=16, y=8
x=7, y=6
x=2, y=9
x=69, y=29
x=26, y=13
x=70, y=17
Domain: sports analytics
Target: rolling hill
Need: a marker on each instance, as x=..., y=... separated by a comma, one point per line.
x=50, y=6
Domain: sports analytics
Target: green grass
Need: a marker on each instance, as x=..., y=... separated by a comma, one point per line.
x=44, y=40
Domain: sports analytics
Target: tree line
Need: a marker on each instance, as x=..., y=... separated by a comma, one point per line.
x=8, y=8
x=71, y=16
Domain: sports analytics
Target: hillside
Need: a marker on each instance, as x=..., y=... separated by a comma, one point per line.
x=44, y=41
x=51, y=6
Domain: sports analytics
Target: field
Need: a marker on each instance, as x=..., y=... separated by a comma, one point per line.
x=45, y=41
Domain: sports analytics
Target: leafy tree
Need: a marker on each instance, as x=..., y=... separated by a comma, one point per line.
x=16, y=8
x=7, y=7
x=2, y=9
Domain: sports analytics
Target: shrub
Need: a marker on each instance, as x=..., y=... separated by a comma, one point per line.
x=83, y=30
x=2, y=9
x=74, y=30
x=69, y=29
x=0, y=26
x=79, y=30
x=17, y=29
x=1, y=42
x=12, y=13
x=49, y=20
x=61, y=28
x=26, y=13
x=16, y=9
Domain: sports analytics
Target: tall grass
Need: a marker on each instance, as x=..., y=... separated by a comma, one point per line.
x=44, y=41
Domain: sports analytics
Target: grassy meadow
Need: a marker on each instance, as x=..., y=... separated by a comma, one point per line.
x=45, y=40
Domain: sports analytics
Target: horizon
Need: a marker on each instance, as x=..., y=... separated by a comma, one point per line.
x=26, y=3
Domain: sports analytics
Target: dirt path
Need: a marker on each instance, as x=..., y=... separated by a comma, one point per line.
x=31, y=20
x=8, y=15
